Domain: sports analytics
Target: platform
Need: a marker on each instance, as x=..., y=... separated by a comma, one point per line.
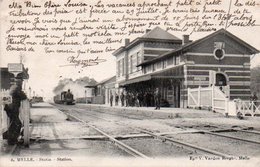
x=48, y=123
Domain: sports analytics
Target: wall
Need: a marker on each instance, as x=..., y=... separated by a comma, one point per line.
x=235, y=65
x=5, y=79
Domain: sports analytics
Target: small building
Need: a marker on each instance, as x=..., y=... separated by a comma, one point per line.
x=159, y=59
x=102, y=91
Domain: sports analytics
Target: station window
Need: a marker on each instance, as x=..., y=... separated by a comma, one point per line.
x=144, y=70
x=164, y=64
x=170, y=61
x=139, y=60
x=177, y=60
x=219, y=53
x=99, y=90
x=131, y=63
x=149, y=68
x=158, y=65
x=123, y=66
x=153, y=67
x=118, y=68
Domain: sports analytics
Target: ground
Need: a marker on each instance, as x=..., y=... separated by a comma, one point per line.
x=57, y=135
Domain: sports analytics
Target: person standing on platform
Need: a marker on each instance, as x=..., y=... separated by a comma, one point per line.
x=122, y=98
x=146, y=99
x=116, y=99
x=157, y=99
x=12, y=111
x=127, y=99
x=111, y=99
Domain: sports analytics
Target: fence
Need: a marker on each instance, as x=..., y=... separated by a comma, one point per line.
x=220, y=102
x=24, y=115
x=209, y=97
x=25, y=119
x=248, y=108
x=196, y=95
x=4, y=120
x=217, y=99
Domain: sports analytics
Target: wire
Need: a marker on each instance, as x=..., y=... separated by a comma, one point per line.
x=228, y=14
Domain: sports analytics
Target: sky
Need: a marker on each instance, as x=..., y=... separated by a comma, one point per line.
x=45, y=69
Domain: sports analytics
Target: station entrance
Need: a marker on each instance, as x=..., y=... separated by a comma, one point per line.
x=221, y=80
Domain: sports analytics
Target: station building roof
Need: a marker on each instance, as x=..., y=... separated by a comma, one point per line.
x=103, y=82
x=155, y=35
x=184, y=48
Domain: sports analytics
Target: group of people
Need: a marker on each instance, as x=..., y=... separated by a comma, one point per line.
x=137, y=99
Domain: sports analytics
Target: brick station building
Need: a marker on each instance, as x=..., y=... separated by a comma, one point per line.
x=159, y=59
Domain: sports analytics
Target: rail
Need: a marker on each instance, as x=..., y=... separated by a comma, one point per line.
x=188, y=146
x=118, y=143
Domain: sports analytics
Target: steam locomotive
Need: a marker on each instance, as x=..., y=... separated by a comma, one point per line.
x=65, y=97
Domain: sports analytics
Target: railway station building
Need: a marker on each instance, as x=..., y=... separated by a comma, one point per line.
x=158, y=59
x=102, y=90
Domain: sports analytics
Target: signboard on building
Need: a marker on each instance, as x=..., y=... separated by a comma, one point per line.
x=15, y=67
x=199, y=78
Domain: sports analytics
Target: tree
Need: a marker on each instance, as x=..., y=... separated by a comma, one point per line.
x=255, y=80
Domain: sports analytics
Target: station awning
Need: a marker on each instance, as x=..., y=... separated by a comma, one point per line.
x=135, y=80
x=90, y=86
x=170, y=73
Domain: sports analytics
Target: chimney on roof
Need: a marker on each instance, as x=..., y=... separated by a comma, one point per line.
x=147, y=30
x=127, y=41
x=185, y=39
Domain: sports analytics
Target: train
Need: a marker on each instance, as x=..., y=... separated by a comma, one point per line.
x=36, y=99
x=65, y=97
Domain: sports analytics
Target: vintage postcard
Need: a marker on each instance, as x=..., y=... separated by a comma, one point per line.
x=129, y=83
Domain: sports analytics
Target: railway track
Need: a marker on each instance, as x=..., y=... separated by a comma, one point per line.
x=178, y=143
x=227, y=136
x=213, y=132
x=118, y=143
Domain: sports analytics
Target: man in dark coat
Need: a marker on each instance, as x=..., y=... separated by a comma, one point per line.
x=111, y=99
x=254, y=99
x=127, y=99
x=12, y=111
x=122, y=98
x=116, y=99
x=157, y=99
